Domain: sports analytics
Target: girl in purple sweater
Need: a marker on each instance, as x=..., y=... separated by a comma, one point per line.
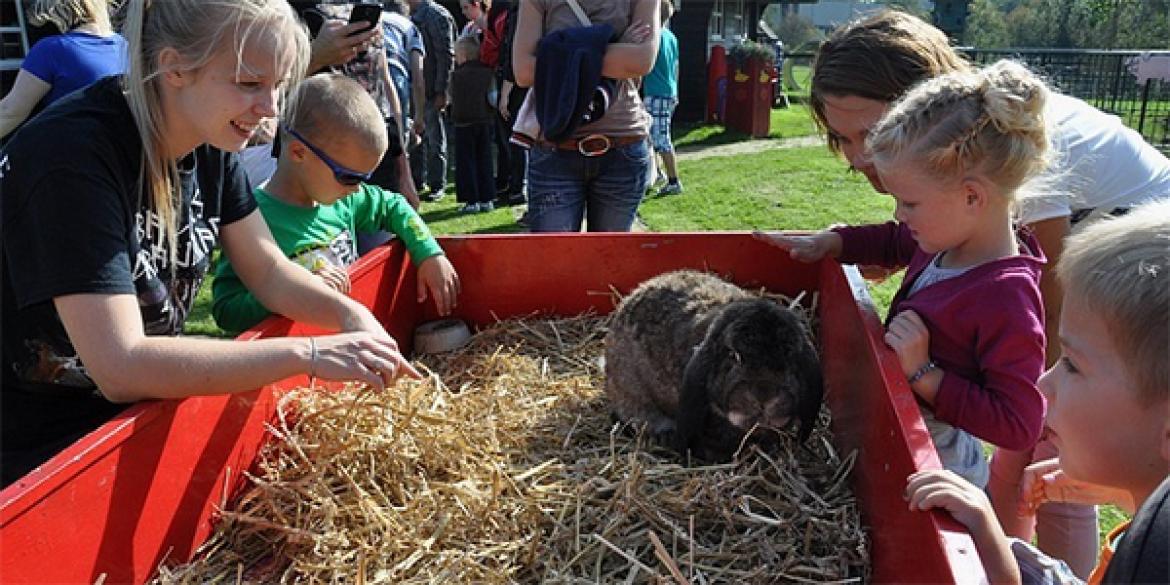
x=967, y=323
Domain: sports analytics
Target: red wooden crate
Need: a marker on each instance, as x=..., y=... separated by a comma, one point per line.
x=145, y=486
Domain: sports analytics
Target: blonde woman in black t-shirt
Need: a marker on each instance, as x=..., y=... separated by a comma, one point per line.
x=105, y=249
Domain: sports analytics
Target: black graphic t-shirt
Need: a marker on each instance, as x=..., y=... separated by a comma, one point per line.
x=74, y=221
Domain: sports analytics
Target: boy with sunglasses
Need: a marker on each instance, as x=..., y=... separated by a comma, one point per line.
x=318, y=200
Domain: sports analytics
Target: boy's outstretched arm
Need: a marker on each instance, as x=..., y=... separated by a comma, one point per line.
x=377, y=209
x=969, y=505
x=234, y=308
x=1044, y=481
x=438, y=280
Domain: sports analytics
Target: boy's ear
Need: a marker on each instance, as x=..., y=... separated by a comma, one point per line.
x=296, y=150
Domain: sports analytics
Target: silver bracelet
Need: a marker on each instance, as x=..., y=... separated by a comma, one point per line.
x=312, y=360
x=916, y=376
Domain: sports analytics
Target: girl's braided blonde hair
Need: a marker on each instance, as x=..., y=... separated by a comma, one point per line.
x=989, y=121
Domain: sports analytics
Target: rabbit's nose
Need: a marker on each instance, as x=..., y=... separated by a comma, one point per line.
x=742, y=420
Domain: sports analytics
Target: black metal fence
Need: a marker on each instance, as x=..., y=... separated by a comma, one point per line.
x=1133, y=85
x=1123, y=83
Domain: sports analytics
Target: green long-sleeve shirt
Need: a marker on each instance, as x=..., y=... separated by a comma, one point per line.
x=316, y=236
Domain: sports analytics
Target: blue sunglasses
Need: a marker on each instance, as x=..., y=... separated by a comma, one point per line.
x=340, y=173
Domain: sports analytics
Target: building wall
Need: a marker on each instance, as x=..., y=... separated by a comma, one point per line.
x=690, y=25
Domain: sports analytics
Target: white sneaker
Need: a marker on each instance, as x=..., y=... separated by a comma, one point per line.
x=470, y=208
x=671, y=189
x=486, y=206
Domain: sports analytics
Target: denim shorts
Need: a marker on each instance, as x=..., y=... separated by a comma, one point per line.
x=565, y=187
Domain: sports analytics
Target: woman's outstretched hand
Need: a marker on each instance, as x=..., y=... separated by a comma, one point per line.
x=360, y=356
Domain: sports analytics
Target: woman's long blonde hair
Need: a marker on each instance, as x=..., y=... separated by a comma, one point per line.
x=196, y=29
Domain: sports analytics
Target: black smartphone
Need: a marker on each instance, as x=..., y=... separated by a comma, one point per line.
x=371, y=14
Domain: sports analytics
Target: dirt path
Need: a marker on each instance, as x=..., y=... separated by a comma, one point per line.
x=746, y=147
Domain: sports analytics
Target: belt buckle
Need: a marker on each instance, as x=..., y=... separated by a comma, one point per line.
x=606, y=144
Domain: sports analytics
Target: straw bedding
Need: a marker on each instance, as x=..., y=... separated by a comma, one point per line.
x=505, y=466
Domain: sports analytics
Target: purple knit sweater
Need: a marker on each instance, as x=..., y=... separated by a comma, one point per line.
x=986, y=331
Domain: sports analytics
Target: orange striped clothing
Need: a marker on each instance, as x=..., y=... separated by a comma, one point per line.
x=1107, y=549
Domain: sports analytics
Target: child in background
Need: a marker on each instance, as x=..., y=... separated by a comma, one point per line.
x=315, y=202
x=473, y=116
x=660, y=91
x=967, y=323
x=1108, y=398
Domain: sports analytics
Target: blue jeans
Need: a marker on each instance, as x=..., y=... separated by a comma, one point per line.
x=565, y=187
x=428, y=160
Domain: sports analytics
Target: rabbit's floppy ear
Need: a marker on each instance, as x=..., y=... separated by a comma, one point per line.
x=694, y=404
x=812, y=389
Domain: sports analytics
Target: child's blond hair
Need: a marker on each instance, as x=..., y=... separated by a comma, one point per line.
x=989, y=121
x=330, y=107
x=467, y=48
x=1120, y=267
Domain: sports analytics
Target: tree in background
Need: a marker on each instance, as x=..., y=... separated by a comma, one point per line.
x=1139, y=24
x=1086, y=24
x=986, y=25
x=796, y=30
x=916, y=7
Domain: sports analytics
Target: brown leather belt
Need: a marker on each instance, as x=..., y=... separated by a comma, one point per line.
x=594, y=144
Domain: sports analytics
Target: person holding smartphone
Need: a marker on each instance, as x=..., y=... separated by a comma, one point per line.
x=334, y=42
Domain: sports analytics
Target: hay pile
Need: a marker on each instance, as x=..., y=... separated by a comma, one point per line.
x=505, y=466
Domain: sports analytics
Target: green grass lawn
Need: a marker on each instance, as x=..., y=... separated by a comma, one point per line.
x=200, y=322
x=798, y=188
x=789, y=122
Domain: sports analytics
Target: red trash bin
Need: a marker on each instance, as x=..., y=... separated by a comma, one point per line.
x=749, y=97
x=716, y=84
